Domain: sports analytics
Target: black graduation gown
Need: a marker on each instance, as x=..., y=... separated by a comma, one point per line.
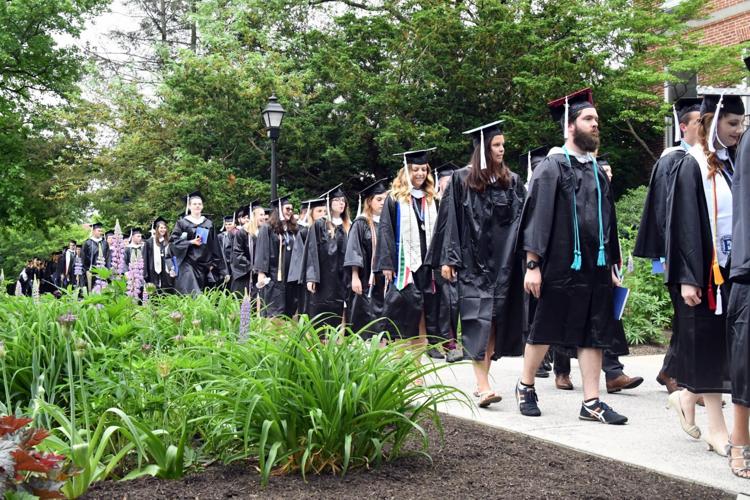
x=700, y=362
x=66, y=276
x=738, y=312
x=243, y=251
x=132, y=253
x=162, y=280
x=90, y=253
x=651, y=233
x=193, y=263
x=368, y=307
x=575, y=308
x=404, y=308
x=324, y=255
x=479, y=240
x=279, y=297
x=298, y=270
x=225, y=241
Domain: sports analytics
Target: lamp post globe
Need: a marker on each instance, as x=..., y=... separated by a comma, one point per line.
x=273, y=115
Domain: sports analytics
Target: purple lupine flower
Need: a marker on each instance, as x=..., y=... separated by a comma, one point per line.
x=117, y=251
x=245, y=309
x=135, y=279
x=145, y=296
x=67, y=319
x=19, y=290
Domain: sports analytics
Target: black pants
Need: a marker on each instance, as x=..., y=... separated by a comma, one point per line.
x=611, y=365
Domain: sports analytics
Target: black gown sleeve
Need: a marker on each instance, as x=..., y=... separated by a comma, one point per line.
x=262, y=262
x=148, y=259
x=740, y=265
x=297, y=261
x=385, y=252
x=216, y=254
x=311, y=255
x=242, y=260
x=539, y=209
x=685, y=252
x=355, y=254
x=652, y=229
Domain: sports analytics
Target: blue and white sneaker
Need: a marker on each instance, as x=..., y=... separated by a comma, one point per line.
x=599, y=411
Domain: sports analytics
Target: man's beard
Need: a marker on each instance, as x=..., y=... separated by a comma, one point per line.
x=587, y=142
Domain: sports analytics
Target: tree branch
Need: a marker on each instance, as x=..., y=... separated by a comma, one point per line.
x=640, y=140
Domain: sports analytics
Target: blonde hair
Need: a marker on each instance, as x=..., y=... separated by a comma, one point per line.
x=251, y=226
x=401, y=186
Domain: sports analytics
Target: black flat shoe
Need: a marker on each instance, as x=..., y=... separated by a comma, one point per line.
x=435, y=353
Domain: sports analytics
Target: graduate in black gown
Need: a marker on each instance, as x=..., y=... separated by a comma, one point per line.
x=738, y=313
x=482, y=210
x=404, y=234
x=134, y=250
x=315, y=210
x=95, y=252
x=447, y=290
x=273, y=251
x=66, y=265
x=243, y=254
x=651, y=240
x=365, y=303
x=698, y=243
x=225, y=240
x=569, y=234
x=157, y=260
x=194, y=248
x=325, y=248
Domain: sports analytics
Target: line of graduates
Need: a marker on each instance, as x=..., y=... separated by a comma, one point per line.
x=695, y=227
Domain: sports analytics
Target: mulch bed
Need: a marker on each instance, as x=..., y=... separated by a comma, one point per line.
x=475, y=461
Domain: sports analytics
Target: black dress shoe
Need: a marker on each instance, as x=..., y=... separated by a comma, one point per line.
x=541, y=372
x=435, y=353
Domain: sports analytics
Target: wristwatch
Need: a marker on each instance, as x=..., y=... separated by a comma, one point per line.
x=532, y=264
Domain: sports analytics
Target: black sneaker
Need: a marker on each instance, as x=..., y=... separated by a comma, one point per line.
x=526, y=398
x=601, y=412
x=454, y=355
x=435, y=353
x=541, y=372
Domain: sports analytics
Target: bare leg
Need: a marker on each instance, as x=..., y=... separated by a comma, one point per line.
x=717, y=427
x=740, y=436
x=482, y=367
x=532, y=358
x=590, y=361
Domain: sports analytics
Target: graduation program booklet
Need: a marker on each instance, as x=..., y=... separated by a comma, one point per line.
x=620, y=298
x=203, y=233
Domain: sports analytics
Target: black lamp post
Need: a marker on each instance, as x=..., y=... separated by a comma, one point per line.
x=272, y=116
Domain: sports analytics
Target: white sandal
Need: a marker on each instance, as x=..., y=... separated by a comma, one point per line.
x=691, y=430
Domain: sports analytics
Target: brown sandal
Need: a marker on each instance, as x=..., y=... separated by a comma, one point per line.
x=488, y=397
x=742, y=471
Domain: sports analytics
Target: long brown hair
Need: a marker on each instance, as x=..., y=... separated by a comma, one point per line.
x=276, y=222
x=714, y=163
x=479, y=179
x=345, y=218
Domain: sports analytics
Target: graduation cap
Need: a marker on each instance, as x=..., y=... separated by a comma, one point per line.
x=96, y=225
x=108, y=233
x=230, y=218
x=335, y=192
x=720, y=104
x=680, y=108
x=194, y=194
x=280, y=202
x=564, y=107
x=531, y=158
x=482, y=134
x=416, y=157
x=135, y=230
x=255, y=204
x=157, y=221
x=446, y=169
x=376, y=188
x=242, y=211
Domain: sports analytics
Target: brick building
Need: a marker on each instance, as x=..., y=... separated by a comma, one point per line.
x=727, y=23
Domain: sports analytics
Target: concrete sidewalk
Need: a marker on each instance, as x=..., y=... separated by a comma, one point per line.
x=652, y=438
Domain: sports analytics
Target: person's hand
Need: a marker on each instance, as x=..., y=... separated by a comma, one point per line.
x=616, y=281
x=356, y=285
x=532, y=282
x=311, y=286
x=196, y=241
x=388, y=275
x=691, y=295
x=172, y=274
x=227, y=278
x=262, y=281
x=448, y=273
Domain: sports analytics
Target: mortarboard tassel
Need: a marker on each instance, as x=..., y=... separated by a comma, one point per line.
x=187, y=204
x=328, y=206
x=529, y=173
x=359, y=206
x=406, y=173
x=712, y=136
x=677, y=131
x=565, y=121
x=483, y=159
x=719, y=305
